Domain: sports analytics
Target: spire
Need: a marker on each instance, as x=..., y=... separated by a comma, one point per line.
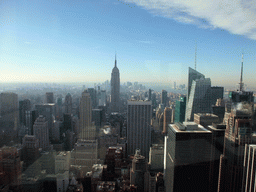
x=115, y=60
x=241, y=78
x=195, y=54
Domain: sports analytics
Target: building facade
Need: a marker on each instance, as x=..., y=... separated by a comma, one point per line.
x=139, y=115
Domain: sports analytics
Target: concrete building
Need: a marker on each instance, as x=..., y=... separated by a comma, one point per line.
x=24, y=106
x=188, y=157
x=48, y=111
x=85, y=154
x=41, y=132
x=9, y=111
x=30, y=145
x=139, y=116
x=206, y=119
x=156, y=158
x=87, y=131
x=103, y=98
x=62, y=161
x=167, y=118
x=115, y=89
x=49, y=97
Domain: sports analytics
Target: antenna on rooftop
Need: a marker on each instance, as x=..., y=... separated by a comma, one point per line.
x=241, y=77
x=195, y=54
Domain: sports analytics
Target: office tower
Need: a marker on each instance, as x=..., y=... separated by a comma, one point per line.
x=149, y=94
x=62, y=161
x=41, y=132
x=168, y=112
x=23, y=107
x=188, y=157
x=30, y=149
x=164, y=98
x=85, y=154
x=97, y=117
x=68, y=104
x=48, y=111
x=49, y=97
x=156, y=158
x=139, y=115
x=103, y=98
x=86, y=128
x=206, y=119
x=31, y=117
x=180, y=110
x=249, y=184
x=201, y=96
x=138, y=170
x=9, y=111
x=11, y=165
x=115, y=89
x=92, y=93
x=219, y=109
x=238, y=133
x=218, y=132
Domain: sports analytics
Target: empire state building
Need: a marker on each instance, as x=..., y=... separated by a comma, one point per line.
x=115, y=89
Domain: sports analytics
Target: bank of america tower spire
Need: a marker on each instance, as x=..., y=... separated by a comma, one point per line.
x=115, y=88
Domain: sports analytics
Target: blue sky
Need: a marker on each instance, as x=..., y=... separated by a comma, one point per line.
x=76, y=41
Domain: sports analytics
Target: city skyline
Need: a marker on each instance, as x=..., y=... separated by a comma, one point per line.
x=76, y=42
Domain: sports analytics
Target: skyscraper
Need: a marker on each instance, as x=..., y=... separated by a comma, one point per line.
x=138, y=126
x=115, y=89
x=164, y=98
x=201, y=96
x=86, y=129
x=68, y=104
x=188, y=157
x=23, y=107
x=49, y=97
x=9, y=110
x=238, y=133
x=180, y=110
x=41, y=132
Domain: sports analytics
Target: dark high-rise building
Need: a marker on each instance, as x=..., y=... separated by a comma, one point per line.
x=93, y=96
x=149, y=94
x=188, y=157
x=139, y=115
x=48, y=111
x=31, y=116
x=115, y=89
x=49, y=97
x=9, y=111
x=97, y=117
x=23, y=107
x=68, y=104
x=164, y=98
x=180, y=110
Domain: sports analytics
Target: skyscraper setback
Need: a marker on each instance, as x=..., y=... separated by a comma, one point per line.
x=115, y=89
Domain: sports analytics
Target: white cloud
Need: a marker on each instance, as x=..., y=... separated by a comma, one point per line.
x=236, y=16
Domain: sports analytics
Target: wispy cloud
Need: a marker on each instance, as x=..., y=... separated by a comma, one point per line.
x=236, y=16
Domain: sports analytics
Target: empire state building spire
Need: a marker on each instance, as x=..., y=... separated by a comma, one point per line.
x=115, y=88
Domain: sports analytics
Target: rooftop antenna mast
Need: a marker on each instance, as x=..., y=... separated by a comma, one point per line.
x=195, y=54
x=241, y=78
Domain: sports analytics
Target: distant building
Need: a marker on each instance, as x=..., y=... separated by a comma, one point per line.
x=93, y=96
x=168, y=114
x=180, y=110
x=139, y=115
x=103, y=98
x=30, y=149
x=9, y=111
x=201, y=96
x=97, y=117
x=62, y=161
x=41, y=132
x=206, y=119
x=156, y=158
x=188, y=157
x=23, y=107
x=49, y=97
x=87, y=131
x=68, y=103
x=164, y=98
x=115, y=89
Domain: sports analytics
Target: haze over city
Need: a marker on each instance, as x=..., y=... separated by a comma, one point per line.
x=76, y=41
